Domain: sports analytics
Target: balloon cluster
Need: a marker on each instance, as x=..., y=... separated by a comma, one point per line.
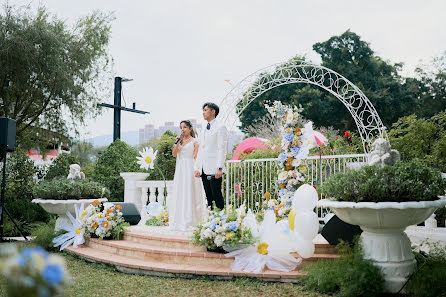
x=303, y=221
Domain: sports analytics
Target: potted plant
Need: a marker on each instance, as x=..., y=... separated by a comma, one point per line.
x=383, y=201
x=59, y=195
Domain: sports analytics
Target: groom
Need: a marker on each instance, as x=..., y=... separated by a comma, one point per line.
x=211, y=155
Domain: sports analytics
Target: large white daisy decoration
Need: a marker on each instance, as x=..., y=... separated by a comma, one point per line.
x=147, y=159
x=75, y=230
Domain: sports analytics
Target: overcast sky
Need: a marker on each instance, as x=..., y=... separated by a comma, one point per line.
x=180, y=52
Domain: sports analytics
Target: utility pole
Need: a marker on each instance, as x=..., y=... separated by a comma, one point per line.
x=117, y=107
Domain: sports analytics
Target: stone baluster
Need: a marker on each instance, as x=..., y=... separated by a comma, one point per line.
x=152, y=197
x=144, y=198
x=169, y=191
x=161, y=196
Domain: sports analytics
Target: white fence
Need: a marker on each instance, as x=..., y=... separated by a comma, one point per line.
x=246, y=181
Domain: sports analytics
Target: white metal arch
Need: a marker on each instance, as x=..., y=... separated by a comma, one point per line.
x=366, y=118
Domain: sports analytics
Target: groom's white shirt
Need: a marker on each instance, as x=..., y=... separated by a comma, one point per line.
x=212, y=149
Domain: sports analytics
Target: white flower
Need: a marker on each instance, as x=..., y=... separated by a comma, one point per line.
x=75, y=230
x=289, y=116
x=283, y=176
x=147, y=158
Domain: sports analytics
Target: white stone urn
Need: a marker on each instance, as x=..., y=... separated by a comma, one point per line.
x=131, y=193
x=384, y=240
x=60, y=208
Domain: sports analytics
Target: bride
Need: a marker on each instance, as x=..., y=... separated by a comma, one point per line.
x=186, y=205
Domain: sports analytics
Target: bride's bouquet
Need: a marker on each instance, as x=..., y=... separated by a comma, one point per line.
x=223, y=229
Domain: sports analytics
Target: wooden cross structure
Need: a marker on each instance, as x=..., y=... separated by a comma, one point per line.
x=117, y=107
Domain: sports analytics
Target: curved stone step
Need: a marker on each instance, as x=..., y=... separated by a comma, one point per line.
x=154, y=268
x=176, y=255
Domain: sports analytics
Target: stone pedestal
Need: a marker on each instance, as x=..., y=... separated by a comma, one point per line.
x=131, y=193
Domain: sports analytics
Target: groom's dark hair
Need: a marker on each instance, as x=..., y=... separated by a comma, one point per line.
x=212, y=106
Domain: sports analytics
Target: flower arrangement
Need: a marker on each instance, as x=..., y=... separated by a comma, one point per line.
x=92, y=222
x=162, y=219
x=106, y=223
x=296, y=144
x=32, y=272
x=223, y=228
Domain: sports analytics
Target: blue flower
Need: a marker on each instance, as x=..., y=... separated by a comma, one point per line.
x=295, y=150
x=282, y=192
x=21, y=261
x=290, y=187
x=233, y=226
x=289, y=137
x=53, y=274
x=283, y=157
x=212, y=226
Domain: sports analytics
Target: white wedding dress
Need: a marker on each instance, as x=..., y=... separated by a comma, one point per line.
x=186, y=205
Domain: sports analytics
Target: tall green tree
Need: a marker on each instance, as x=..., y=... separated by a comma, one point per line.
x=391, y=94
x=84, y=152
x=56, y=72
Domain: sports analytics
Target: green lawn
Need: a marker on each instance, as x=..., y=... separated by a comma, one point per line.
x=100, y=280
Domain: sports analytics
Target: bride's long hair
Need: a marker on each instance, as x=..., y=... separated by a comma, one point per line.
x=189, y=124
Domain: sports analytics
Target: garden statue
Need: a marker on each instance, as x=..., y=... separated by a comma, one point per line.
x=75, y=172
x=382, y=154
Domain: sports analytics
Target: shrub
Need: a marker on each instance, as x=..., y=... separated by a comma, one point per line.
x=19, y=176
x=349, y=275
x=118, y=157
x=430, y=278
x=61, y=166
x=164, y=160
x=44, y=235
x=405, y=181
x=63, y=189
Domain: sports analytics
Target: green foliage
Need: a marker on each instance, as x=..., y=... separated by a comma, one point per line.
x=422, y=139
x=19, y=176
x=353, y=58
x=10, y=229
x=64, y=189
x=61, y=166
x=440, y=216
x=84, y=152
x=164, y=161
x=57, y=72
x=155, y=221
x=118, y=157
x=260, y=154
x=26, y=211
x=119, y=230
x=44, y=234
x=349, y=275
x=405, y=181
x=430, y=278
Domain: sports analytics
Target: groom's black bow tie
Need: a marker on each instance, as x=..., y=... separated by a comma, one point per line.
x=208, y=126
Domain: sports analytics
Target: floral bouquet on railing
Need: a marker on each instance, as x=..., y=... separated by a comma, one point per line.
x=280, y=207
x=297, y=140
x=224, y=229
x=32, y=272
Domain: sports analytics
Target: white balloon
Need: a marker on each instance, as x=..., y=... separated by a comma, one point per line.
x=306, y=224
x=283, y=227
x=154, y=208
x=305, y=198
x=269, y=219
x=305, y=248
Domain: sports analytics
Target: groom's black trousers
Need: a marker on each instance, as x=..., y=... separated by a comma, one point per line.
x=212, y=187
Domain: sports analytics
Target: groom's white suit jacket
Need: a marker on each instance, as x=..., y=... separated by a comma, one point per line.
x=212, y=150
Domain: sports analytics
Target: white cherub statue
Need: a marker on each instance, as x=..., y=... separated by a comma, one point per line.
x=382, y=154
x=75, y=172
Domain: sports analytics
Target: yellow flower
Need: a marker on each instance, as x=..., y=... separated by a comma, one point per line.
x=96, y=202
x=118, y=207
x=229, y=235
x=303, y=169
x=267, y=195
x=291, y=218
x=262, y=248
x=84, y=213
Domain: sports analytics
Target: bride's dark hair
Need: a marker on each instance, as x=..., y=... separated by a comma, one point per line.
x=189, y=124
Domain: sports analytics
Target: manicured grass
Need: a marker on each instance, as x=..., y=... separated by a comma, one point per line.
x=89, y=280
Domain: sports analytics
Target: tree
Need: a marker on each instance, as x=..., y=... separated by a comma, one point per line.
x=433, y=79
x=84, y=152
x=392, y=95
x=56, y=72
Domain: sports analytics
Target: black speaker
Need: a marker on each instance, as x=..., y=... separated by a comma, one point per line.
x=336, y=229
x=7, y=133
x=129, y=212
